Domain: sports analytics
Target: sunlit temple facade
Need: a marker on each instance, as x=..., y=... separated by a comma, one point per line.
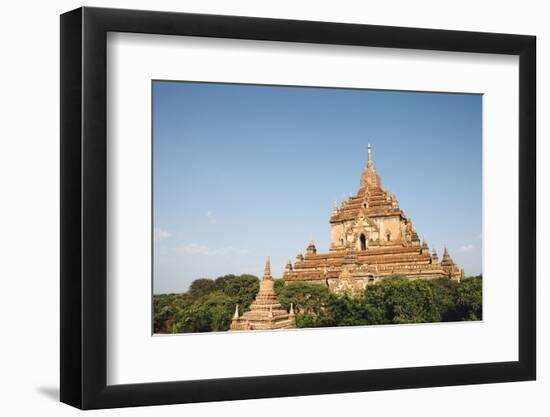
x=371, y=238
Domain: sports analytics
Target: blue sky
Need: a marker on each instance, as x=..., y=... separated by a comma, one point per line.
x=245, y=171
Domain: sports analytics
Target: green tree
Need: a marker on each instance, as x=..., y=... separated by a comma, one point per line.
x=165, y=307
x=348, y=311
x=399, y=300
x=243, y=288
x=201, y=286
x=445, y=295
x=469, y=299
x=211, y=312
x=375, y=305
x=311, y=302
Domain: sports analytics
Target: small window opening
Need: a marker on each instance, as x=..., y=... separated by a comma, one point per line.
x=363, y=241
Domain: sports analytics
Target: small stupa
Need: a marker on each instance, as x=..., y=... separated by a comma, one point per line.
x=265, y=313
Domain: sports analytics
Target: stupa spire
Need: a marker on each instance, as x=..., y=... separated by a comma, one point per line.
x=267, y=269
x=435, y=258
x=369, y=151
x=236, y=315
x=425, y=247
x=370, y=180
x=288, y=266
x=449, y=266
x=311, y=249
x=446, y=261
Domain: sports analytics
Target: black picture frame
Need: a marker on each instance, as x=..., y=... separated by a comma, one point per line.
x=84, y=207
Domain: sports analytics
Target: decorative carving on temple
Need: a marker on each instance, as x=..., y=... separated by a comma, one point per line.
x=346, y=283
x=372, y=230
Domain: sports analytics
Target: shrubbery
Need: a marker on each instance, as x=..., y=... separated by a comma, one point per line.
x=208, y=305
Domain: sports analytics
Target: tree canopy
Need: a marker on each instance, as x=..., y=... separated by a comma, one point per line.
x=209, y=304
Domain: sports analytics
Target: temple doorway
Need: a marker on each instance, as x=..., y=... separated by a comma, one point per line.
x=363, y=241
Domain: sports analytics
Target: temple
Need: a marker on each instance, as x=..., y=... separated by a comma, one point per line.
x=371, y=238
x=266, y=313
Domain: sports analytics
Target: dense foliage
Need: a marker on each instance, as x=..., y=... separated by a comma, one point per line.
x=209, y=304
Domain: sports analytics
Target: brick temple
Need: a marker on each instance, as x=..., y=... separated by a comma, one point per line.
x=265, y=313
x=371, y=238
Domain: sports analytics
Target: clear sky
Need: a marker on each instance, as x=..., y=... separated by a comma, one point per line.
x=245, y=171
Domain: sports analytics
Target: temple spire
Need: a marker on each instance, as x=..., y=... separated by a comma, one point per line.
x=369, y=150
x=425, y=247
x=236, y=315
x=447, y=261
x=370, y=180
x=435, y=258
x=267, y=269
x=288, y=266
x=311, y=249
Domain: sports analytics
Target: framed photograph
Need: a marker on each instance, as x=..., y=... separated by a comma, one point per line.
x=256, y=208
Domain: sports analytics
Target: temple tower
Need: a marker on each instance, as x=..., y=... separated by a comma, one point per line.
x=372, y=218
x=371, y=238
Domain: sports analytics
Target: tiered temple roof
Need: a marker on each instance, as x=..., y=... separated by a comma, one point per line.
x=371, y=238
x=265, y=313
